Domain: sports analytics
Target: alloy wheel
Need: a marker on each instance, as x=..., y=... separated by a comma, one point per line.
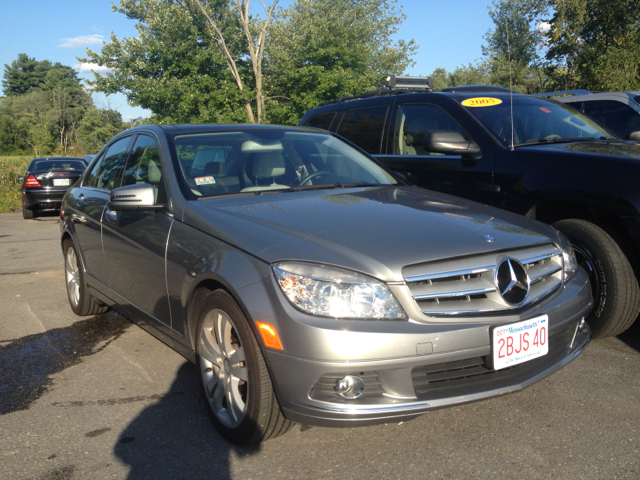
x=223, y=367
x=72, y=276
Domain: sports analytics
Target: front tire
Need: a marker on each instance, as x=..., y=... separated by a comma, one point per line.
x=614, y=285
x=81, y=302
x=235, y=382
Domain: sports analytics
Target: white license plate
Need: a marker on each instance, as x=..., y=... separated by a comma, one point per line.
x=520, y=342
x=60, y=182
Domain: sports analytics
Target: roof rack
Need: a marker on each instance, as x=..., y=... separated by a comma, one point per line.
x=395, y=85
x=478, y=89
x=563, y=93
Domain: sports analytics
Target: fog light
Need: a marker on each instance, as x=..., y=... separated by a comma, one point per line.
x=582, y=325
x=350, y=387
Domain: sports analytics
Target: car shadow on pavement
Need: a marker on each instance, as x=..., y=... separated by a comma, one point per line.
x=27, y=363
x=174, y=438
x=632, y=336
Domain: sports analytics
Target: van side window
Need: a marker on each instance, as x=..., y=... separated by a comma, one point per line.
x=414, y=121
x=321, y=121
x=619, y=117
x=364, y=127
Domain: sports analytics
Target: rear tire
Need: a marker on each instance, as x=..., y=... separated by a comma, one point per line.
x=81, y=302
x=28, y=213
x=614, y=285
x=234, y=379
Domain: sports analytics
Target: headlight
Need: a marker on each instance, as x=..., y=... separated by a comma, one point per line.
x=333, y=292
x=568, y=258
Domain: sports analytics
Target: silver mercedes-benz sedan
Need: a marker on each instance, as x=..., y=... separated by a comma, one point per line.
x=310, y=284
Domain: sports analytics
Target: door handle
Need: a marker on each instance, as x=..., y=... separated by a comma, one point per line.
x=81, y=199
x=111, y=215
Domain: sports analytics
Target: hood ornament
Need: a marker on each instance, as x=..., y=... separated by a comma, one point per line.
x=489, y=238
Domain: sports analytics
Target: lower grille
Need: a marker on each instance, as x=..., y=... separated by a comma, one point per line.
x=444, y=379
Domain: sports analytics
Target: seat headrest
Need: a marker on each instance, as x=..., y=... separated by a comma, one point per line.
x=268, y=164
x=215, y=169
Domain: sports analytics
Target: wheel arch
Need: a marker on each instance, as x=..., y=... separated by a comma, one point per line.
x=196, y=299
x=608, y=219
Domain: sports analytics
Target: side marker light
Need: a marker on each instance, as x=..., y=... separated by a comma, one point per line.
x=269, y=336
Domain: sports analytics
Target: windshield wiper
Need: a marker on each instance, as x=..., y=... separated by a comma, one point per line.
x=543, y=141
x=331, y=186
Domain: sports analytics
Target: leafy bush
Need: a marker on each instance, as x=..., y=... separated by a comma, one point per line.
x=10, y=169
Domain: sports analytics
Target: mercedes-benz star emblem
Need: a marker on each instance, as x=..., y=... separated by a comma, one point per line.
x=512, y=281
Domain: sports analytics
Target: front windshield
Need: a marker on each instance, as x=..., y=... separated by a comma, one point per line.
x=534, y=121
x=262, y=160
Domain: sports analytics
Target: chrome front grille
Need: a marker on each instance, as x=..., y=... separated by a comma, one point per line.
x=468, y=286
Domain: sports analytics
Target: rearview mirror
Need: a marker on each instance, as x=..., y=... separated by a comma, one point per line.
x=134, y=198
x=634, y=136
x=449, y=142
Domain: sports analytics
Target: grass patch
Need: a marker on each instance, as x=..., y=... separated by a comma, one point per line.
x=10, y=169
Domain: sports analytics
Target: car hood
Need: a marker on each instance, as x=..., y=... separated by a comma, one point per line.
x=614, y=148
x=375, y=230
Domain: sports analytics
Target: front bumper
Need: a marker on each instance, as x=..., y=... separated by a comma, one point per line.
x=400, y=388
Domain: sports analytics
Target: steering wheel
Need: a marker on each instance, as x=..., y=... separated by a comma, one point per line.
x=553, y=136
x=313, y=175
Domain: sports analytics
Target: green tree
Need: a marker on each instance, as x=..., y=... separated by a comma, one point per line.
x=512, y=46
x=24, y=74
x=98, y=126
x=321, y=50
x=595, y=44
x=192, y=61
x=440, y=79
x=479, y=74
x=172, y=68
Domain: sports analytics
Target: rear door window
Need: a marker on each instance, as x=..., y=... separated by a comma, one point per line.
x=110, y=171
x=364, y=127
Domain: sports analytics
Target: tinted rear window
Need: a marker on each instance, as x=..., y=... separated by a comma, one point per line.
x=364, y=127
x=321, y=121
x=58, y=164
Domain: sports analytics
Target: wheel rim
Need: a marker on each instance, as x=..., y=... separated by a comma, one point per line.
x=224, y=368
x=585, y=261
x=73, y=277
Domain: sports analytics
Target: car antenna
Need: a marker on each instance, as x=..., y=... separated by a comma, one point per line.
x=510, y=89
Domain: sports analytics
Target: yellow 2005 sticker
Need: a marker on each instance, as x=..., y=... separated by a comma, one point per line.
x=481, y=102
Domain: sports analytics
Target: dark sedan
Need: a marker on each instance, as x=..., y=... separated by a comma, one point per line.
x=46, y=182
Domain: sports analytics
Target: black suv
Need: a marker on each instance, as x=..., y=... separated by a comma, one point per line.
x=532, y=156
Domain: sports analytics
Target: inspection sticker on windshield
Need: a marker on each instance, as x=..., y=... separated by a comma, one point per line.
x=481, y=102
x=205, y=180
x=519, y=342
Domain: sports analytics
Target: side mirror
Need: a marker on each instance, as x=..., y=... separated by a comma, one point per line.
x=21, y=178
x=134, y=198
x=634, y=136
x=449, y=142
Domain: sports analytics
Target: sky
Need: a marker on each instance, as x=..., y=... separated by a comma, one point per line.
x=448, y=33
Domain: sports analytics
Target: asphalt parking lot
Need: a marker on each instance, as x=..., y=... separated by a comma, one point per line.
x=97, y=397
